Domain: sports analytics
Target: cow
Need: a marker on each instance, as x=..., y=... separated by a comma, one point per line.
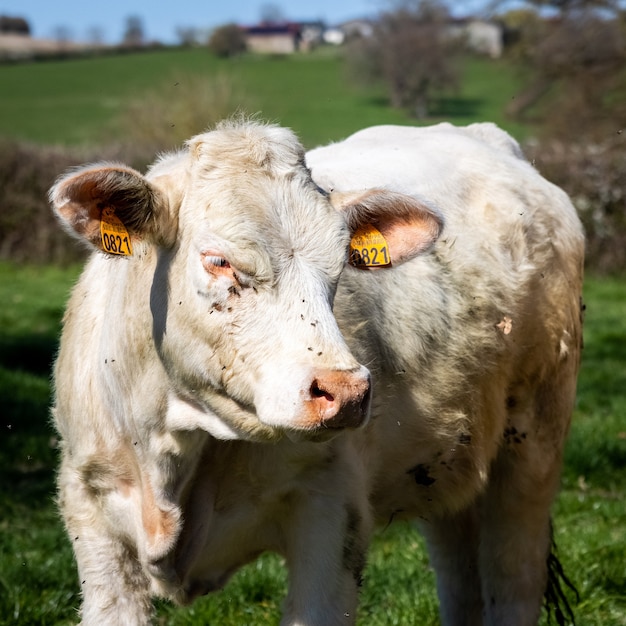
x=273, y=350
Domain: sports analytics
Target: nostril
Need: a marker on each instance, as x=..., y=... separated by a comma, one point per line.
x=318, y=392
x=365, y=402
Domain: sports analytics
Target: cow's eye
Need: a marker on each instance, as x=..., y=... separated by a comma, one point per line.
x=214, y=262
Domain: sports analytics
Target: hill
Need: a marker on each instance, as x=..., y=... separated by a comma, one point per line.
x=78, y=101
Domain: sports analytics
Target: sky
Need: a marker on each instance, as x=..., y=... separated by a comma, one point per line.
x=160, y=20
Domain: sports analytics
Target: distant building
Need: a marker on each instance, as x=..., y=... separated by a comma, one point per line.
x=273, y=38
x=302, y=36
x=283, y=37
x=19, y=47
x=16, y=43
x=483, y=37
x=334, y=36
x=357, y=28
x=312, y=35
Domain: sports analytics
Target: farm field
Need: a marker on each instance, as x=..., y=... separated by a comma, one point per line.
x=38, y=583
x=78, y=101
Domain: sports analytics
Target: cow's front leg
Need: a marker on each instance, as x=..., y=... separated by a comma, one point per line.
x=114, y=586
x=453, y=547
x=327, y=539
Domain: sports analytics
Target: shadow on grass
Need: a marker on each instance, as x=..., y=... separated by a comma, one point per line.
x=380, y=101
x=455, y=107
x=33, y=354
x=443, y=107
x=27, y=439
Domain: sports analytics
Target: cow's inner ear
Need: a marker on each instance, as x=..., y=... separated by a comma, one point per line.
x=108, y=206
x=387, y=228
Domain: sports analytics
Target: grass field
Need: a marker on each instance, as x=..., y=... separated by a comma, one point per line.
x=78, y=101
x=38, y=582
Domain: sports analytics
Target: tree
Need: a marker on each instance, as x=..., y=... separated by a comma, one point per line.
x=227, y=41
x=95, y=36
x=272, y=13
x=63, y=36
x=188, y=35
x=575, y=61
x=14, y=25
x=134, y=34
x=412, y=52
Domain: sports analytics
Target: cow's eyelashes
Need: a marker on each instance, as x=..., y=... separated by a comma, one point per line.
x=215, y=263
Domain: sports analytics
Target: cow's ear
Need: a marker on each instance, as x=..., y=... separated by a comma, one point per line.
x=388, y=228
x=110, y=206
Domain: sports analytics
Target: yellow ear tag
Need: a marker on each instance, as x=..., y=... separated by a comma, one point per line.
x=115, y=237
x=368, y=248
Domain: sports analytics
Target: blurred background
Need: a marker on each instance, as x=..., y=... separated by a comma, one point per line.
x=126, y=80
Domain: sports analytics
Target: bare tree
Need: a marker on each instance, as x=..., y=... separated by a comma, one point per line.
x=575, y=61
x=134, y=33
x=63, y=37
x=272, y=13
x=95, y=36
x=412, y=51
x=188, y=35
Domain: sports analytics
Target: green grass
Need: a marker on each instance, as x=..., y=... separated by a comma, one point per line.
x=600, y=417
x=591, y=510
x=77, y=101
x=38, y=582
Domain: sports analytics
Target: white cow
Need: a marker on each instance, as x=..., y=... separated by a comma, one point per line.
x=212, y=405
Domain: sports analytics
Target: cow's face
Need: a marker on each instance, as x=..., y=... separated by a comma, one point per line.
x=249, y=253
x=260, y=250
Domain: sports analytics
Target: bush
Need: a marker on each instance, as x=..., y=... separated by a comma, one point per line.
x=182, y=106
x=575, y=61
x=593, y=175
x=28, y=230
x=227, y=41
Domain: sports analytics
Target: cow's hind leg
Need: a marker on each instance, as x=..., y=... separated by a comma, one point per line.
x=114, y=587
x=515, y=545
x=453, y=548
x=515, y=523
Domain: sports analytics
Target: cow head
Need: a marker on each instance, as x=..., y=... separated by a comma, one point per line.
x=246, y=254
